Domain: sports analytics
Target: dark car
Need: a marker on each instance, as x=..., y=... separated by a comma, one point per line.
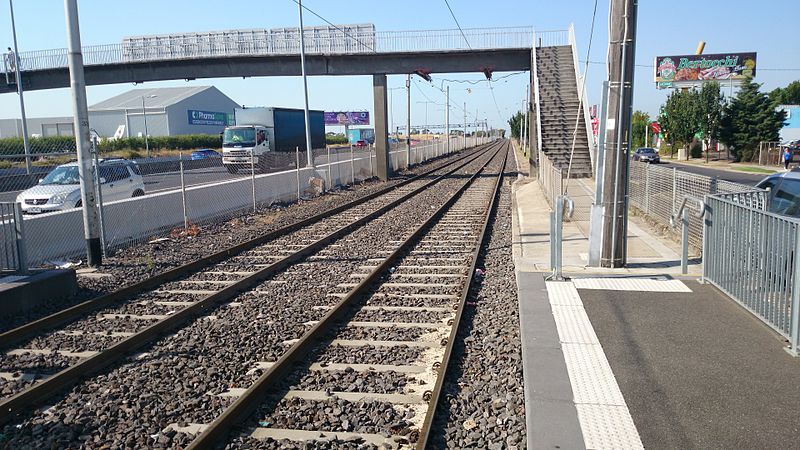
x=205, y=153
x=646, y=154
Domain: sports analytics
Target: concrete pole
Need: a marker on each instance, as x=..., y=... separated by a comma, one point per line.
x=465, y=124
x=309, y=151
x=25, y=139
x=408, y=121
x=615, y=177
x=91, y=225
x=447, y=119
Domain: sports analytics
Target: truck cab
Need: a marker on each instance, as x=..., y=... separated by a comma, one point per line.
x=240, y=143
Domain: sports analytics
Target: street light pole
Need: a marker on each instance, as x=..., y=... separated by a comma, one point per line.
x=408, y=121
x=309, y=152
x=447, y=119
x=144, y=115
x=25, y=140
x=91, y=225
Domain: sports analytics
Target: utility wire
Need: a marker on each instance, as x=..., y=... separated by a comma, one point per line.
x=334, y=26
x=457, y=24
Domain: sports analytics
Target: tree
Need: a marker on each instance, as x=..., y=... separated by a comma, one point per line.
x=710, y=112
x=790, y=95
x=750, y=118
x=640, y=122
x=515, y=122
x=680, y=117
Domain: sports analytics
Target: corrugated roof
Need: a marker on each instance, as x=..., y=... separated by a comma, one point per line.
x=163, y=97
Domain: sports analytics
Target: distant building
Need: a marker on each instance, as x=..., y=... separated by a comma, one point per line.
x=791, y=129
x=168, y=111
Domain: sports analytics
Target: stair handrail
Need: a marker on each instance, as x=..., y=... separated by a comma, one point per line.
x=535, y=90
x=582, y=97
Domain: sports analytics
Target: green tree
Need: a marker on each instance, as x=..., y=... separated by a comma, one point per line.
x=790, y=95
x=680, y=117
x=515, y=122
x=748, y=119
x=640, y=122
x=710, y=112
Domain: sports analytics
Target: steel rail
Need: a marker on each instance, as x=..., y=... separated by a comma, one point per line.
x=430, y=416
x=249, y=401
x=35, y=395
x=30, y=329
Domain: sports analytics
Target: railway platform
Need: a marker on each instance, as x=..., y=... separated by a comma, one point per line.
x=641, y=357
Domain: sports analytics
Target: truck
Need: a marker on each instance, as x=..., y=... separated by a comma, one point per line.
x=361, y=134
x=270, y=137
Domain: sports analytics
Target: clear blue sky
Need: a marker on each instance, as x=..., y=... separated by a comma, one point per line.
x=769, y=28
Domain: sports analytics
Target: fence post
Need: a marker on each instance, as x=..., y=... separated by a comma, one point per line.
x=556, y=228
x=707, y=223
x=253, y=175
x=183, y=193
x=647, y=189
x=297, y=170
x=685, y=241
x=674, y=188
x=329, y=167
x=794, y=339
x=713, y=185
x=99, y=195
x=19, y=232
x=352, y=167
x=371, y=169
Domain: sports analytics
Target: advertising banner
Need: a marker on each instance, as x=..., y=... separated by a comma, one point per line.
x=699, y=68
x=209, y=118
x=347, y=118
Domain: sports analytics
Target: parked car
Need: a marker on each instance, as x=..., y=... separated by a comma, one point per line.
x=360, y=143
x=205, y=153
x=784, y=192
x=646, y=154
x=60, y=189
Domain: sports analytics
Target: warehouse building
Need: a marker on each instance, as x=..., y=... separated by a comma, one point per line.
x=161, y=111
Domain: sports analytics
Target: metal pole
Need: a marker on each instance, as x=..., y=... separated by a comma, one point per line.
x=309, y=151
x=99, y=193
x=146, y=142
x=80, y=110
x=19, y=234
x=794, y=339
x=408, y=121
x=371, y=169
x=465, y=124
x=253, y=175
x=297, y=170
x=25, y=139
x=685, y=241
x=447, y=119
x=183, y=194
x=330, y=168
x=352, y=167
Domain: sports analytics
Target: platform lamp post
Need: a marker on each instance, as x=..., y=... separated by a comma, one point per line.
x=16, y=63
x=144, y=115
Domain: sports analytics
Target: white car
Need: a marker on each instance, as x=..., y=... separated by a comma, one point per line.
x=60, y=189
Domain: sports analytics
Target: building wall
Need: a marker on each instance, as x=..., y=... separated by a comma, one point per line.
x=157, y=124
x=791, y=129
x=210, y=100
x=37, y=126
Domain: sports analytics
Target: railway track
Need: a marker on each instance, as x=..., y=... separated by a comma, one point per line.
x=372, y=369
x=130, y=319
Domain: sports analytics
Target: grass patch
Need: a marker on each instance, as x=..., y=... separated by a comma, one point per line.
x=751, y=169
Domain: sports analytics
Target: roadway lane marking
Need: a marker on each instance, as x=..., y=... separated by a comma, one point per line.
x=631, y=284
x=602, y=412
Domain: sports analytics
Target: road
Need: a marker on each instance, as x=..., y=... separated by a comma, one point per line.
x=727, y=175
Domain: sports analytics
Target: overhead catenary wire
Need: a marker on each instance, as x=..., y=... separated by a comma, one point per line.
x=335, y=26
x=457, y=24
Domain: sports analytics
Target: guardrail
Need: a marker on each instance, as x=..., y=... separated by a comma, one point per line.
x=580, y=81
x=551, y=179
x=535, y=70
x=171, y=47
x=13, y=256
x=752, y=255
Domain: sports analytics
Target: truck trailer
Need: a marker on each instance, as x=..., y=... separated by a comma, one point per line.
x=270, y=136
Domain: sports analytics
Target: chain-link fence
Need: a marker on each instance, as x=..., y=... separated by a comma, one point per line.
x=154, y=196
x=551, y=179
x=657, y=192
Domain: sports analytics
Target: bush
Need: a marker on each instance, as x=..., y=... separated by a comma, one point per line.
x=59, y=144
x=696, y=149
x=335, y=139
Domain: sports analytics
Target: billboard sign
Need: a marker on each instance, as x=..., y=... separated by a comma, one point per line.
x=209, y=118
x=693, y=69
x=347, y=118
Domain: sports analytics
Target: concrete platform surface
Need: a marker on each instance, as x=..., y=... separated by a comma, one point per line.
x=20, y=294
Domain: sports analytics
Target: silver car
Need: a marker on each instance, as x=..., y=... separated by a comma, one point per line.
x=60, y=189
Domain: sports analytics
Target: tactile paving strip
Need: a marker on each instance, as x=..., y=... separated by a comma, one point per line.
x=573, y=325
x=563, y=293
x=591, y=376
x=631, y=284
x=608, y=427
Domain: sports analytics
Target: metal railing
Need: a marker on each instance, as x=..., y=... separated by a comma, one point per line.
x=752, y=255
x=535, y=70
x=13, y=257
x=551, y=178
x=285, y=42
x=657, y=193
x=580, y=86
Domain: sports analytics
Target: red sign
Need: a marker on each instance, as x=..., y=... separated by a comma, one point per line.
x=656, y=127
x=595, y=126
